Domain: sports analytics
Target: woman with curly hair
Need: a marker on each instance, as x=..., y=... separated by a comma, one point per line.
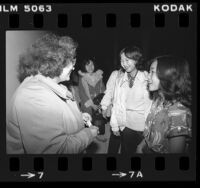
x=44, y=117
x=168, y=125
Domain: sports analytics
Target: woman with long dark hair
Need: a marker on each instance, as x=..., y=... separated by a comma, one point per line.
x=91, y=89
x=90, y=85
x=168, y=125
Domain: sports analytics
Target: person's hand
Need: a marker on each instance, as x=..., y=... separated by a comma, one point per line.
x=94, y=130
x=116, y=133
x=139, y=149
x=86, y=117
x=95, y=107
x=104, y=113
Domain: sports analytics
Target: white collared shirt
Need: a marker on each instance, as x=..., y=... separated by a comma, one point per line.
x=109, y=92
x=130, y=105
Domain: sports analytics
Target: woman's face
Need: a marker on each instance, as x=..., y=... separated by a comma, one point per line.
x=90, y=67
x=65, y=75
x=153, y=80
x=127, y=64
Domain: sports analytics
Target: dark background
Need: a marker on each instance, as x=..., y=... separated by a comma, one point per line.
x=106, y=46
x=105, y=43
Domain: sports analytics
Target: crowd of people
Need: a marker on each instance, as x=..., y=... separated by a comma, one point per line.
x=147, y=110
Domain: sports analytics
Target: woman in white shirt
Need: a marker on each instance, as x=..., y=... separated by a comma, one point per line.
x=131, y=102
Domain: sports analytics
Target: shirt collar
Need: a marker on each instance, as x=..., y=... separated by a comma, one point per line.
x=59, y=89
x=126, y=78
x=140, y=76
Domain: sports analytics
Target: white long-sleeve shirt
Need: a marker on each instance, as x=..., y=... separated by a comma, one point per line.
x=109, y=92
x=130, y=105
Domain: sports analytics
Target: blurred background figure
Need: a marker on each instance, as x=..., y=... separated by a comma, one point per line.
x=91, y=90
x=72, y=85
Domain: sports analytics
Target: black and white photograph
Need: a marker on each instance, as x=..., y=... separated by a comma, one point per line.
x=116, y=80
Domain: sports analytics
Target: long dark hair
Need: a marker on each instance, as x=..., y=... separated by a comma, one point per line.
x=174, y=75
x=87, y=62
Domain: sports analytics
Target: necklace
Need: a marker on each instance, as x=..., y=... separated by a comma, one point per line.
x=132, y=79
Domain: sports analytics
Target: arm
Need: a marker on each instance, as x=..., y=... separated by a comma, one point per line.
x=107, y=99
x=177, y=144
x=86, y=88
x=81, y=73
x=141, y=146
x=179, y=130
x=45, y=128
x=113, y=122
x=88, y=100
x=102, y=89
x=53, y=139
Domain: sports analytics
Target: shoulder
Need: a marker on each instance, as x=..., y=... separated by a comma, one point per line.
x=99, y=71
x=114, y=73
x=84, y=78
x=178, y=110
x=180, y=115
x=143, y=75
x=35, y=97
x=98, y=74
x=180, y=120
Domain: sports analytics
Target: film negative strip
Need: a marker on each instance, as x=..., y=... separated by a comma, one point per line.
x=43, y=138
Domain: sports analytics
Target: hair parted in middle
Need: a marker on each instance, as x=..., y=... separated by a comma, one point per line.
x=87, y=61
x=175, y=82
x=48, y=56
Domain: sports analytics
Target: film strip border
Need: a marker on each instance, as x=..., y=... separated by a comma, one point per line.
x=38, y=21
x=98, y=168
x=109, y=15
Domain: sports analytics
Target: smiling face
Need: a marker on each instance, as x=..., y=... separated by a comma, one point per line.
x=89, y=67
x=127, y=63
x=65, y=75
x=153, y=80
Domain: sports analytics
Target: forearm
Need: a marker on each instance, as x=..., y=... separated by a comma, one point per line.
x=177, y=144
x=86, y=89
x=78, y=142
x=142, y=144
x=106, y=101
x=109, y=92
x=113, y=123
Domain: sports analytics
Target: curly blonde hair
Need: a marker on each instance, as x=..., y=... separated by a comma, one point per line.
x=48, y=56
